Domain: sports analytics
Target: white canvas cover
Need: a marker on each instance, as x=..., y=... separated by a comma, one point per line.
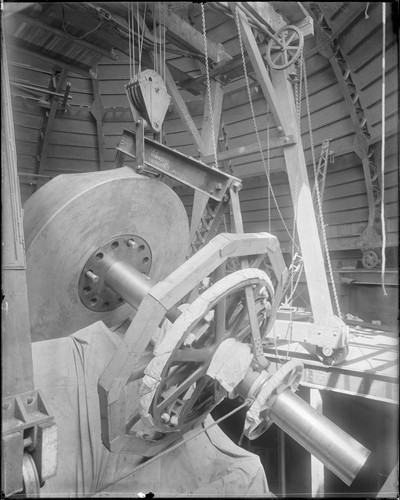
x=67, y=371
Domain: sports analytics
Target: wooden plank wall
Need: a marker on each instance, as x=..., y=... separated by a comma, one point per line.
x=73, y=143
x=73, y=146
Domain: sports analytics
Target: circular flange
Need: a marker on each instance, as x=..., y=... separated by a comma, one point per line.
x=93, y=290
x=73, y=215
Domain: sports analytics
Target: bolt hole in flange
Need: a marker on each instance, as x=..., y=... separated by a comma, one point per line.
x=128, y=248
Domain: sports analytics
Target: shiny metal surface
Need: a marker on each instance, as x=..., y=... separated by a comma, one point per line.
x=128, y=282
x=338, y=451
x=70, y=217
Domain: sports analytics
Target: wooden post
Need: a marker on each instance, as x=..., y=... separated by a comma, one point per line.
x=302, y=201
x=261, y=73
x=16, y=355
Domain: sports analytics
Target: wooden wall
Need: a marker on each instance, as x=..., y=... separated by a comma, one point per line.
x=74, y=144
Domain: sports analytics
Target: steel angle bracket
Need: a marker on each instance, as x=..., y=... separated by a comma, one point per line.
x=185, y=169
x=133, y=354
x=27, y=426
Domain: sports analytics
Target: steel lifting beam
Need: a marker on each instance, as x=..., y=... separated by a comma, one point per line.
x=189, y=171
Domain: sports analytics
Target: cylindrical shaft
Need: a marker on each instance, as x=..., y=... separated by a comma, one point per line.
x=338, y=451
x=128, y=282
x=132, y=285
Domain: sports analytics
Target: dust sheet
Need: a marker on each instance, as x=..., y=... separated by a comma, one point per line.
x=67, y=371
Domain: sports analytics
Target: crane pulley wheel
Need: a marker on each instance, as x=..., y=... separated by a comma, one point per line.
x=281, y=56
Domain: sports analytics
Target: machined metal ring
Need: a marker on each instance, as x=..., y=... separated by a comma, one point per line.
x=93, y=290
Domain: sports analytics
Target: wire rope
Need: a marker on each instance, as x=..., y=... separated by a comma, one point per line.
x=383, y=148
x=256, y=127
x=175, y=446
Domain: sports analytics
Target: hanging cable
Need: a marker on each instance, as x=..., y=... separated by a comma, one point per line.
x=133, y=43
x=319, y=202
x=180, y=443
x=256, y=127
x=203, y=19
x=383, y=148
x=268, y=172
x=130, y=41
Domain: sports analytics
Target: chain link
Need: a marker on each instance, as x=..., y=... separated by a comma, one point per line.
x=256, y=127
x=203, y=19
x=318, y=193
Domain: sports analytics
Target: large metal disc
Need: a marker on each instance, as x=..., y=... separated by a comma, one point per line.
x=72, y=216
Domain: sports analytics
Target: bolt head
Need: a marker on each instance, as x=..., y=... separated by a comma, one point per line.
x=174, y=421
x=327, y=351
x=132, y=244
x=165, y=418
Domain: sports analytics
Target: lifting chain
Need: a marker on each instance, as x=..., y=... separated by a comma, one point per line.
x=203, y=19
x=256, y=127
x=319, y=202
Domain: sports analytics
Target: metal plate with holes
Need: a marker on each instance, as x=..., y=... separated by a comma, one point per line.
x=93, y=290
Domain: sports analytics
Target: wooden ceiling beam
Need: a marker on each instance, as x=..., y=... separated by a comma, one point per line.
x=34, y=51
x=110, y=54
x=182, y=32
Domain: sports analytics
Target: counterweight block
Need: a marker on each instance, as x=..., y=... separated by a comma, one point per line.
x=70, y=218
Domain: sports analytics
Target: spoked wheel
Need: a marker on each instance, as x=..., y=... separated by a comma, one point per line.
x=334, y=356
x=370, y=259
x=185, y=394
x=281, y=57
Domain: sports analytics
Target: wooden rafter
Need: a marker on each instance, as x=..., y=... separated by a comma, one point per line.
x=182, y=109
x=182, y=32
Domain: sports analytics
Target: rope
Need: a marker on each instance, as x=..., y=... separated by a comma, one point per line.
x=203, y=19
x=383, y=149
x=174, y=447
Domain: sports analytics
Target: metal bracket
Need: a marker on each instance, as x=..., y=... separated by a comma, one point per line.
x=172, y=163
x=27, y=426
